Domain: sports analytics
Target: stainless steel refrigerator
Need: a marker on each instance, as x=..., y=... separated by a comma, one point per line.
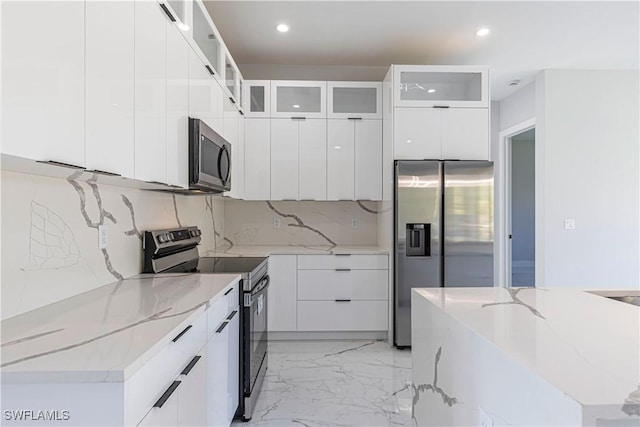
x=443, y=230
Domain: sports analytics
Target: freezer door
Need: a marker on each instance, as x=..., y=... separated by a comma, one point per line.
x=418, y=201
x=468, y=224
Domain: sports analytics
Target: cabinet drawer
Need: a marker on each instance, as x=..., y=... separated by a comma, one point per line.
x=350, y=284
x=220, y=309
x=331, y=262
x=342, y=316
x=146, y=386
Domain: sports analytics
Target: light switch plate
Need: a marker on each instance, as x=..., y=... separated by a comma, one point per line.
x=354, y=222
x=276, y=222
x=569, y=224
x=103, y=237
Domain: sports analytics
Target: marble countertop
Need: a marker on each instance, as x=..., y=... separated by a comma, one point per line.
x=259, y=250
x=585, y=345
x=107, y=334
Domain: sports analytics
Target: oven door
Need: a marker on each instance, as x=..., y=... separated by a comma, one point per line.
x=255, y=337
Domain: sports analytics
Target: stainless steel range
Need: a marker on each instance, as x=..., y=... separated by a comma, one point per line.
x=176, y=251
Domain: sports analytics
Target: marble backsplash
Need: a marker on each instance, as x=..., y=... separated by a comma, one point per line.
x=301, y=223
x=50, y=234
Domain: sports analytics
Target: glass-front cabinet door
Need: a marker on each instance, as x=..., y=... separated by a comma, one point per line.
x=440, y=86
x=207, y=38
x=354, y=100
x=257, y=98
x=230, y=76
x=178, y=7
x=298, y=99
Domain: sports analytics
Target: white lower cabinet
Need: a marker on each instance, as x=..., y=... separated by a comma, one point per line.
x=281, y=293
x=343, y=284
x=192, y=392
x=165, y=414
x=343, y=315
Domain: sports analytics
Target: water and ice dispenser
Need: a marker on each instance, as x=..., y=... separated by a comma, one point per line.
x=418, y=239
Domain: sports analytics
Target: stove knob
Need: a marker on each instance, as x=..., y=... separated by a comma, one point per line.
x=161, y=238
x=170, y=237
x=192, y=233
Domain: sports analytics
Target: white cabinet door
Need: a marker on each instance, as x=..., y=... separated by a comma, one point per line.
x=217, y=111
x=417, y=133
x=109, y=41
x=150, y=92
x=281, y=293
x=43, y=58
x=465, y=134
x=312, y=165
x=368, y=160
x=217, y=376
x=192, y=393
x=240, y=184
x=257, y=95
x=284, y=159
x=177, y=108
x=354, y=100
x=257, y=155
x=231, y=116
x=298, y=99
x=167, y=413
x=340, y=159
x=233, y=368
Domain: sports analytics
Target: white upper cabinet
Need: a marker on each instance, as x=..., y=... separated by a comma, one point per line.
x=257, y=158
x=231, y=77
x=43, y=85
x=417, y=134
x=150, y=91
x=312, y=159
x=441, y=86
x=465, y=134
x=354, y=100
x=232, y=135
x=109, y=85
x=284, y=159
x=300, y=99
x=368, y=159
x=257, y=94
x=207, y=39
x=177, y=108
x=340, y=159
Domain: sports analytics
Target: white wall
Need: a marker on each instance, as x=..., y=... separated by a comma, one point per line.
x=518, y=107
x=50, y=238
x=587, y=156
x=312, y=72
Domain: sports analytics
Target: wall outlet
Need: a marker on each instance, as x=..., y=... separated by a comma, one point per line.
x=103, y=236
x=484, y=420
x=569, y=224
x=354, y=222
x=276, y=222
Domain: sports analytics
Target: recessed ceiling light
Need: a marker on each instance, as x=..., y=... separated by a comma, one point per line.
x=283, y=28
x=482, y=32
x=296, y=106
x=431, y=91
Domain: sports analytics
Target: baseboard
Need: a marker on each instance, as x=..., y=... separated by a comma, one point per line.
x=337, y=335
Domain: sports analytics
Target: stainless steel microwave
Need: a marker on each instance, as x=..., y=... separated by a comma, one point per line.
x=209, y=159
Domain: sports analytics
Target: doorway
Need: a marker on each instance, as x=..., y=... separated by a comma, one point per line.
x=520, y=206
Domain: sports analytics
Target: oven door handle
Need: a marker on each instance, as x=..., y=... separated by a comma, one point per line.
x=259, y=288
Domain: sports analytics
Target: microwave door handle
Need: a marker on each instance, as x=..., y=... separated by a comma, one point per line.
x=224, y=152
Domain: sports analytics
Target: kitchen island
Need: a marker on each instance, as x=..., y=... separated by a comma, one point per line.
x=521, y=356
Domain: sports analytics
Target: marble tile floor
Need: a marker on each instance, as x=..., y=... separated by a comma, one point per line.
x=334, y=383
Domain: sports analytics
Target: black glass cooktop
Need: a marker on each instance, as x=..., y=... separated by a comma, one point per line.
x=220, y=265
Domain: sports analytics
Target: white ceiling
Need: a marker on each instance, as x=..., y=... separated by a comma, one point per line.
x=360, y=39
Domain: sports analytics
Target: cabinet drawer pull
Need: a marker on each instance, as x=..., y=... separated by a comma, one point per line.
x=241, y=112
x=184, y=331
x=440, y=106
x=343, y=300
x=354, y=118
x=167, y=394
x=171, y=18
x=63, y=165
x=190, y=366
x=233, y=101
x=224, y=325
x=298, y=118
x=343, y=269
x=98, y=171
x=342, y=254
x=213, y=73
x=232, y=314
x=229, y=291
